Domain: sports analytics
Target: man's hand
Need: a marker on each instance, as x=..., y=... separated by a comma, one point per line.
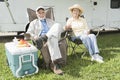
x=35, y=37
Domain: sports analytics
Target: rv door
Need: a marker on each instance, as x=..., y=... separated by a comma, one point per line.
x=99, y=13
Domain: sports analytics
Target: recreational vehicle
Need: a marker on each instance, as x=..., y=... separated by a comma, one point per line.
x=13, y=13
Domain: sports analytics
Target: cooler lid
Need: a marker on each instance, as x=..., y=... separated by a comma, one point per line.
x=14, y=49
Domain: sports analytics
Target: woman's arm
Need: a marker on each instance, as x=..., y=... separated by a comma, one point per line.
x=68, y=25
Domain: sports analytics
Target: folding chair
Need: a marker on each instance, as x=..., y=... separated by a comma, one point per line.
x=32, y=15
x=74, y=45
x=44, y=51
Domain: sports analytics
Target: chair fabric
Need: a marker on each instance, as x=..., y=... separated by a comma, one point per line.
x=75, y=44
x=32, y=14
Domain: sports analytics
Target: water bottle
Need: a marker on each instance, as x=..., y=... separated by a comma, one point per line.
x=15, y=40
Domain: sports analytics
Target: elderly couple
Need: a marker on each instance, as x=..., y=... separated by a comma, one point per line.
x=46, y=31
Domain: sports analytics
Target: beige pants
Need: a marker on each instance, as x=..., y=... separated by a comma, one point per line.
x=53, y=37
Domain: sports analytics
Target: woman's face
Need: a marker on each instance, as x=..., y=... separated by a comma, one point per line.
x=75, y=12
x=41, y=13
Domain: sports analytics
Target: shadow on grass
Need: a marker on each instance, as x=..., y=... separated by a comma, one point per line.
x=76, y=64
x=109, y=53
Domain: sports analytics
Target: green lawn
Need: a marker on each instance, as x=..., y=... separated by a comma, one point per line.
x=78, y=68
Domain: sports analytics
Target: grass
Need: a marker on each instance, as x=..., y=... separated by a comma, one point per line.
x=78, y=68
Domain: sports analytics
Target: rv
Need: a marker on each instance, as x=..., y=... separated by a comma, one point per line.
x=106, y=13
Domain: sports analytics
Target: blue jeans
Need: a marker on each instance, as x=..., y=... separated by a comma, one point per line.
x=90, y=43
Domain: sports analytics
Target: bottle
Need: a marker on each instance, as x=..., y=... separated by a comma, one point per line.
x=15, y=40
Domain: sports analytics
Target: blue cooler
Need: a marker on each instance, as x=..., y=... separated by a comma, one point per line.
x=22, y=60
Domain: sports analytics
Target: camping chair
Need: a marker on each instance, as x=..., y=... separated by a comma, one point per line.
x=32, y=15
x=44, y=51
x=74, y=45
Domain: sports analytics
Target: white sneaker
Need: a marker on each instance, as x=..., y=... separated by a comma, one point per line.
x=93, y=58
x=97, y=58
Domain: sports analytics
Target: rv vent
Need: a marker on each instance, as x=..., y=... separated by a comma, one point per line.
x=95, y=3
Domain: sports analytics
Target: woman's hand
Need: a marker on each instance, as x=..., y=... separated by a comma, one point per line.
x=86, y=32
x=67, y=27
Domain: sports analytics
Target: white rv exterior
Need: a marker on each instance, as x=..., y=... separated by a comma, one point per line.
x=13, y=15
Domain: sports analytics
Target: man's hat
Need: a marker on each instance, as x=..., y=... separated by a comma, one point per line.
x=40, y=7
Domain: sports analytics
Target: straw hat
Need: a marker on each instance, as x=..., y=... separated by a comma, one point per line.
x=76, y=6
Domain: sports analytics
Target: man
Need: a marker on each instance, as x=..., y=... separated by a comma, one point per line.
x=45, y=31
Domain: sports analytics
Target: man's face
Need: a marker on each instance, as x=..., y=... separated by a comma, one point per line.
x=41, y=13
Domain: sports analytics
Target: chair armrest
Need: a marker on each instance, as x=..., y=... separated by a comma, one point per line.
x=27, y=36
x=95, y=32
x=98, y=30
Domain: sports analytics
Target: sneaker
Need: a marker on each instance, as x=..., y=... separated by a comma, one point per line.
x=41, y=41
x=99, y=60
x=97, y=55
x=44, y=38
x=96, y=58
x=93, y=57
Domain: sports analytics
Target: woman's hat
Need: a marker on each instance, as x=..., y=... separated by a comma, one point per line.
x=76, y=6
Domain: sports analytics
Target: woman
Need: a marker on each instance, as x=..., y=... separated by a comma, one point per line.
x=81, y=30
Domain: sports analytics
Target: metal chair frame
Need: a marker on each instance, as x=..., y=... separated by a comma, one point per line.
x=77, y=42
x=73, y=45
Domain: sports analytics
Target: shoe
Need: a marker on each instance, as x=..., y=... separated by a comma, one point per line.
x=97, y=55
x=44, y=38
x=55, y=68
x=96, y=58
x=93, y=57
x=99, y=60
x=41, y=41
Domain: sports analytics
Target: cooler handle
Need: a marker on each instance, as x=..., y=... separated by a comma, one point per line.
x=20, y=64
x=23, y=58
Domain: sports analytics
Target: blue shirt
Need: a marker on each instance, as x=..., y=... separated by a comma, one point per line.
x=45, y=27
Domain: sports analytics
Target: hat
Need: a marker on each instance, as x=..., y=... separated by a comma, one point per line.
x=76, y=6
x=40, y=7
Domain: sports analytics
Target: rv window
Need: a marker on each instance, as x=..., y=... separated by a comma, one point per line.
x=115, y=4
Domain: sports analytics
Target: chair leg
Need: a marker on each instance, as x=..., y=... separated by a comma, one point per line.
x=72, y=49
x=69, y=47
x=83, y=54
x=85, y=51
